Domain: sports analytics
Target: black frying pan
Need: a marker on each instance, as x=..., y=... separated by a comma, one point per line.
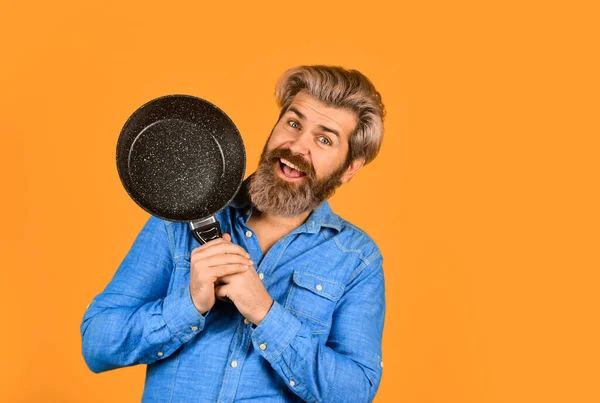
x=181, y=158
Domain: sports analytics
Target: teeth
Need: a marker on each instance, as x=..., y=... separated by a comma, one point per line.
x=289, y=164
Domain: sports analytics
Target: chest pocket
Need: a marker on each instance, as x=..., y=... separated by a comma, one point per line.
x=314, y=298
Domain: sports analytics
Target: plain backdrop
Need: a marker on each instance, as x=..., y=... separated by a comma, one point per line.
x=483, y=200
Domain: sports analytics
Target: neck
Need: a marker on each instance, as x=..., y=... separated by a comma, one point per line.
x=270, y=228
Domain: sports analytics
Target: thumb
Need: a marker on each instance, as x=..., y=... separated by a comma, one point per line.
x=226, y=237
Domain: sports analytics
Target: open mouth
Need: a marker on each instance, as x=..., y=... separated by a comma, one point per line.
x=289, y=170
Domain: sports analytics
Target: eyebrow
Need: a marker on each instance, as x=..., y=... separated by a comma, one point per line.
x=324, y=128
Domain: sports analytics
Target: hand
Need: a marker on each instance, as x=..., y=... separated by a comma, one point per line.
x=217, y=258
x=246, y=290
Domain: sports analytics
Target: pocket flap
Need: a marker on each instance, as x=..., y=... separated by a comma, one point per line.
x=326, y=288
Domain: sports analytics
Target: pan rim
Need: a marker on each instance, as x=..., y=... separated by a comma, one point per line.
x=128, y=186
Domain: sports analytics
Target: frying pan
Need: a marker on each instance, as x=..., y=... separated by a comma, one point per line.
x=181, y=158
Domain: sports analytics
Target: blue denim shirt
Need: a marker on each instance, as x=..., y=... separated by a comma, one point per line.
x=320, y=342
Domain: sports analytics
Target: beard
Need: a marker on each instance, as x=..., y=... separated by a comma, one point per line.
x=272, y=194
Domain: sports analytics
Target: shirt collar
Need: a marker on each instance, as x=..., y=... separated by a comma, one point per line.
x=322, y=216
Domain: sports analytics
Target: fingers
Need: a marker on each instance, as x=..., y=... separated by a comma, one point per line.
x=221, y=272
x=219, y=246
x=227, y=278
x=223, y=238
x=210, y=244
x=219, y=260
x=222, y=293
x=220, y=251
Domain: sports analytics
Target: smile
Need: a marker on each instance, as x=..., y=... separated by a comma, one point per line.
x=289, y=171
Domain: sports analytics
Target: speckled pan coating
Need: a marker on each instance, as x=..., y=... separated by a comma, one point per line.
x=180, y=158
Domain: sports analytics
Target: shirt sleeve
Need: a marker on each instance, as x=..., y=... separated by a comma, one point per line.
x=133, y=321
x=349, y=367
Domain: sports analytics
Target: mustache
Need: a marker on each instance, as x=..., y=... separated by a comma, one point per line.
x=295, y=159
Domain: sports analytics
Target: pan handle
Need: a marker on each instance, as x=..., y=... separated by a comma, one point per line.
x=206, y=229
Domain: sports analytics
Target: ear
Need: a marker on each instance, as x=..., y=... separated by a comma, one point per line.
x=353, y=168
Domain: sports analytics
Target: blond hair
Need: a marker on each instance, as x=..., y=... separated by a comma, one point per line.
x=340, y=88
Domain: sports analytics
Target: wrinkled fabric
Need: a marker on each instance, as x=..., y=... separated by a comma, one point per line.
x=320, y=342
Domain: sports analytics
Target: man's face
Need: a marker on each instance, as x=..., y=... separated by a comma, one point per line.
x=305, y=158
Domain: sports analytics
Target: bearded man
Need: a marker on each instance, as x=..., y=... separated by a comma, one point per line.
x=289, y=305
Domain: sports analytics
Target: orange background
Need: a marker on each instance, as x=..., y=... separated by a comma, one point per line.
x=484, y=198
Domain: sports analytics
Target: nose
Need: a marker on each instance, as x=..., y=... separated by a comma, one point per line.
x=300, y=145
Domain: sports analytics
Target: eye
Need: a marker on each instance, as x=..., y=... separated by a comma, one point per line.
x=324, y=140
x=294, y=124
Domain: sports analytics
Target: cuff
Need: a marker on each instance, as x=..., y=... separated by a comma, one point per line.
x=275, y=332
x=180, y=314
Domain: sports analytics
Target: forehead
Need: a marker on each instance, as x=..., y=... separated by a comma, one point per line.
x=340, y=119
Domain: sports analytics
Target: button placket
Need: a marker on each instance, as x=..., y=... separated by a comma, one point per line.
x=270, y=259
x=238, y=353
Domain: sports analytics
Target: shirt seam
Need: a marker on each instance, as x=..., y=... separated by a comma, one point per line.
x=366, y=263
x=171, y=236
x=357, y=251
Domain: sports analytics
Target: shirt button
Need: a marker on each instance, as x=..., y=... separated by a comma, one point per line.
x=319, y=287
x=248, y=234
x=261, y=276
x=292, y=383
x=381, y=363
x=263, y=347
x=246, y=321
x=160, y=354
x=234, y=364
x=194, y=328
x=248, y=212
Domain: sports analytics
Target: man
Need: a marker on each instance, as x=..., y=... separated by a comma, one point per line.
x=289, y=305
